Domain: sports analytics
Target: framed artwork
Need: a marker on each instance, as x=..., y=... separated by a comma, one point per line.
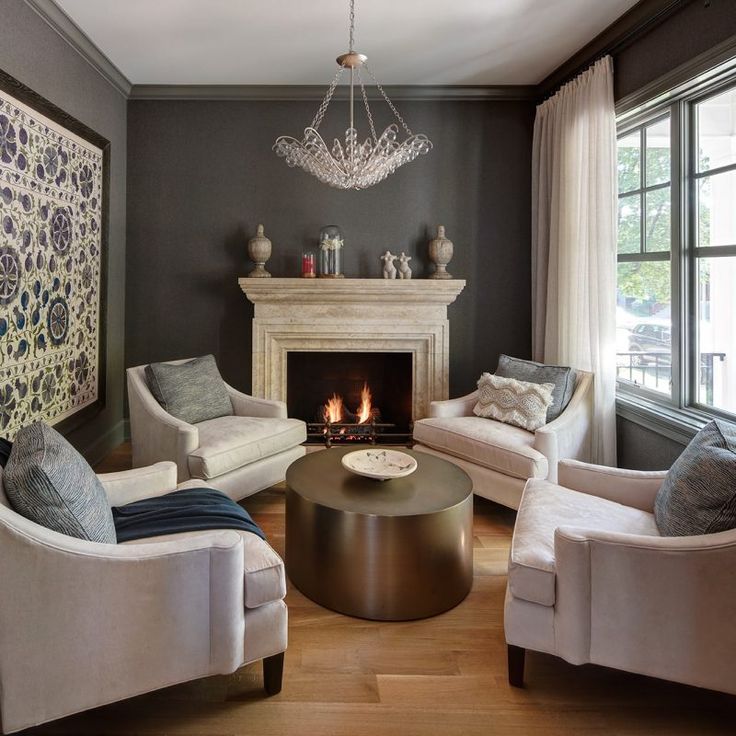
x=54, y=199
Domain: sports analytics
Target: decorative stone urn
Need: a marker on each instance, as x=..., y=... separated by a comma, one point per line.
x=259, y=250
x=440, y=253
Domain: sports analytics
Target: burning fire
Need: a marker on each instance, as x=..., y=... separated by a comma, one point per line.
x=364, y=410
x=334, y=410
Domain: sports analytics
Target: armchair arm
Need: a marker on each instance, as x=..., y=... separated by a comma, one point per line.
x=155, y=434
x=661, y=606
x=249, y=406
x=127, y=486
x=460, y=407
x=635, y=488
x=124, y=619
x=568, y=436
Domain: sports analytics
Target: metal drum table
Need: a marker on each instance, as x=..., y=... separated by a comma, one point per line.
x=389, y=550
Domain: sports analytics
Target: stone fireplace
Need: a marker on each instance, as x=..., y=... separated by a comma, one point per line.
x=315, y=337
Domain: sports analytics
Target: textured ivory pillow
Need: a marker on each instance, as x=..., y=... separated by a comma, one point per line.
x=193, y=391
x=49, y=482
x=698, y=495
x=521, y=403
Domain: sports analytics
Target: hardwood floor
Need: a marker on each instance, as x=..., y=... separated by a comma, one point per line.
x=444, y=676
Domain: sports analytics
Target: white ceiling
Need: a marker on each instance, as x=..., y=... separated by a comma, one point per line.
x=296, y=41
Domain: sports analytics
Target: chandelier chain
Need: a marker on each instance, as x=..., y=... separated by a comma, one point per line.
x=326, y=101
x=352, y=24
x=367, y=108
x=388, y=102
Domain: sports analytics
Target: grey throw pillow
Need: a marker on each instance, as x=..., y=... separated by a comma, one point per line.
x=193, y=391
x=698, y=495
x=562, y=377
x=49, y=482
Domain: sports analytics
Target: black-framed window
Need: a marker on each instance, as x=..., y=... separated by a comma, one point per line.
x=676, y=290
x=644, y=274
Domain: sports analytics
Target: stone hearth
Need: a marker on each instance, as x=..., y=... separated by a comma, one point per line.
x=361, y=315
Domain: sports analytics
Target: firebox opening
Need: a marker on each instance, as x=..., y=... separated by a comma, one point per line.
x=347, y=388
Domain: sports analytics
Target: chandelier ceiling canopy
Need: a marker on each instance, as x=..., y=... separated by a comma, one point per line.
x=354, y=165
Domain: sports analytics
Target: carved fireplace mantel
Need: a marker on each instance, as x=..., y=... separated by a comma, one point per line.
x=361, y=315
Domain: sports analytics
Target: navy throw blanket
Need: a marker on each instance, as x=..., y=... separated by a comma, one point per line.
x=189, y=510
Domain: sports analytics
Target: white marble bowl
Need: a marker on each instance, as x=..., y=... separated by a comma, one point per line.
x=379, y=464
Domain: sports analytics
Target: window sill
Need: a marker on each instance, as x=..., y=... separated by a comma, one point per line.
x=680, y=425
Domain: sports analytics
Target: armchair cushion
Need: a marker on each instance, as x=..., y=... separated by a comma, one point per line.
x=50, y=483
x=495, y=445
x=229, y=443
x=562, y=377
x=698, y=495
x=546, y=507
x=192, y=391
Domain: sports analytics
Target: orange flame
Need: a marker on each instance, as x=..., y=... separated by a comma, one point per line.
x=333, y=409
x=365, y=410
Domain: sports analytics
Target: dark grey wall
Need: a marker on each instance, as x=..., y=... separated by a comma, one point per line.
x=201, y=176
x=36, y=55
x=643, y=449
x=683, y=36
x=691, y=31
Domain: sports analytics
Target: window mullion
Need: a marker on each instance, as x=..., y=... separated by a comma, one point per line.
x=688, y=156
x=678, y=304
x=642, y=195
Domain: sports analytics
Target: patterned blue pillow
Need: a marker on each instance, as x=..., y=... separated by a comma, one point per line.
x=49, y=482
x=698, y=495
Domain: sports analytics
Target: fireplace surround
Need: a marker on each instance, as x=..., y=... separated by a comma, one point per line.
x=352, y=315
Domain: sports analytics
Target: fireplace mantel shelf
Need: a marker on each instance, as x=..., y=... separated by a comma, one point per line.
x=298, y=290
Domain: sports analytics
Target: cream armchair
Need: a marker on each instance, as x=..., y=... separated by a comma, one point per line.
x=239, y=454
x=500, y=458
x=591, y=580
x=83, y=624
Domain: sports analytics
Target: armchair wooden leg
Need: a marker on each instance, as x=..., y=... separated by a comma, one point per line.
x=273, y=670
x=516, y=657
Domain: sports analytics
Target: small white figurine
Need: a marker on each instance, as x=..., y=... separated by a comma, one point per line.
x=404, y=270
x=389, y=270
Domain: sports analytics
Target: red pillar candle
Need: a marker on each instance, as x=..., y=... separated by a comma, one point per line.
x=308, y=266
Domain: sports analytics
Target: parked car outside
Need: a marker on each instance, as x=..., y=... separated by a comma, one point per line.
x=652, y=341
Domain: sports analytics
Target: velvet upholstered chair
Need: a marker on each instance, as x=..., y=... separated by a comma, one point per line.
x=592, y=580
x=239, y=454
x=83, y=624
x=500, y=458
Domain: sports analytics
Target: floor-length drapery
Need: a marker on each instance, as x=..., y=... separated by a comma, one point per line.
x=574, y=219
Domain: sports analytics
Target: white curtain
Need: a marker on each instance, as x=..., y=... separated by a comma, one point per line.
x=574, y=220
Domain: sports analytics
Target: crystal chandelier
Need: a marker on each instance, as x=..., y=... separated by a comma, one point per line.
x=355, y=165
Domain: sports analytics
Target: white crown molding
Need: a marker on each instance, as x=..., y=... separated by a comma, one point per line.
x=60, y=22
x=286, y=92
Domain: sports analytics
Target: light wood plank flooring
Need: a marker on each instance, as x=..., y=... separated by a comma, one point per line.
x=443, y=676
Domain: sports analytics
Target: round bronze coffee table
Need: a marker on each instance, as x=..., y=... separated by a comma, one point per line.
x=387, y=550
